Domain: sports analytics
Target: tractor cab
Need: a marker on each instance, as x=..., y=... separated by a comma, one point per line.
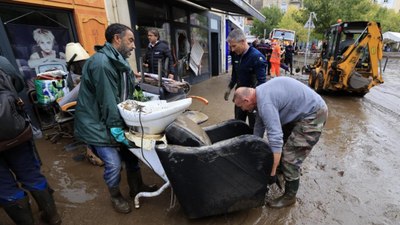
x=341, y=36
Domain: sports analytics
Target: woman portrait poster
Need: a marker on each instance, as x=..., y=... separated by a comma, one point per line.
x=37, y=48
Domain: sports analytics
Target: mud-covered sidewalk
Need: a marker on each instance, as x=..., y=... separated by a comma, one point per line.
x=350, y=177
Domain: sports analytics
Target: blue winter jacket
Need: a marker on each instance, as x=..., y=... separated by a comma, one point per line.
x=249, y=69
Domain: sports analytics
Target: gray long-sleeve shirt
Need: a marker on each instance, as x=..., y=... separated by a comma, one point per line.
x=280, y=101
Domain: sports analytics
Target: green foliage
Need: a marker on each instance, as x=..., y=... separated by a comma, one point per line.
x=325, y=11
x=273, y=16
x=389, y=19
x=289, y=22
x=328, y=12
x=138, y=95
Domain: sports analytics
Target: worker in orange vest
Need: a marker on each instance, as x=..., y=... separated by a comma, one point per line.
x=275, y=59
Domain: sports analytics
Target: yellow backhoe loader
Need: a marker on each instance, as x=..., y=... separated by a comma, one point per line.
x=350, y=59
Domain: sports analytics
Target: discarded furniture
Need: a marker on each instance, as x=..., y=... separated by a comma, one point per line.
x=216, y=170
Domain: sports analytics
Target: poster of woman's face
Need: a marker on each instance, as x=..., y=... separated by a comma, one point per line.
x=38, y=48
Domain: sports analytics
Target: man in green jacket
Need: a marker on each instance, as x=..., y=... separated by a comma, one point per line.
x=107, y=80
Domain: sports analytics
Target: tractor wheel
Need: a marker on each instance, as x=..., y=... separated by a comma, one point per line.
x=319, y=83
x=311, y=78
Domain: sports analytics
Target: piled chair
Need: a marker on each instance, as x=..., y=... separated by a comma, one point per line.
x=64, y=118
x=216, y=170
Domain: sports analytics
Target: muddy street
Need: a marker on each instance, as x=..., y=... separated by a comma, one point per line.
x=350, y=177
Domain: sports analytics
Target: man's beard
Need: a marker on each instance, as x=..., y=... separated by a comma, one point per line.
x=124, y=51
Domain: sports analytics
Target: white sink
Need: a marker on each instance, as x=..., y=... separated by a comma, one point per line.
x=153, y=116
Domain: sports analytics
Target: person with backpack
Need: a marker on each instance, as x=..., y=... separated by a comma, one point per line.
x=19, y=163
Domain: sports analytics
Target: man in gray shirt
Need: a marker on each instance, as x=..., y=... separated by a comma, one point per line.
x=293, y=116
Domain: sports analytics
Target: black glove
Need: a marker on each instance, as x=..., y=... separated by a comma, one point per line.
x=227, y=93
x=272, y=180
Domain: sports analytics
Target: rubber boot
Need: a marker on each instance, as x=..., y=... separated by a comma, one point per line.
x=118, y=202
x=20, y=212
x=46, y=205
x=136, y=185
x=289, y=197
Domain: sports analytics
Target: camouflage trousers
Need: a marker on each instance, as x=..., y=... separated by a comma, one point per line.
x=299, y=139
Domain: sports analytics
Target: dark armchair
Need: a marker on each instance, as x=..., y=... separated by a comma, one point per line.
x=216, y=170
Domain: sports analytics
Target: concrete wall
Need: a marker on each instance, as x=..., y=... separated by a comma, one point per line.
x=118, y=12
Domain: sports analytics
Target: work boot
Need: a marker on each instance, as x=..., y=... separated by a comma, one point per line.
x=289, y=197
x=136, y=185
x=118, y=202
x=20, y=212
x=47, y=207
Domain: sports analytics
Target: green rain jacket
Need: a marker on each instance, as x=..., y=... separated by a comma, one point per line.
x=106, y=80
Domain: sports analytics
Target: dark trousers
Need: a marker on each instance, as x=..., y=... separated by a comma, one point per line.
x=289, y=63
x=269, y=66
x=22, y=162
x=242, y=115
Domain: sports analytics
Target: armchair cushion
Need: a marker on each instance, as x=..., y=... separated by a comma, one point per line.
x=185, y=132
x=227, y=129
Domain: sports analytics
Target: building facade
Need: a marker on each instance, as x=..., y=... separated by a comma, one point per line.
x=26, y=24
x=195, y=30
x=282, y=4
x=390, y=4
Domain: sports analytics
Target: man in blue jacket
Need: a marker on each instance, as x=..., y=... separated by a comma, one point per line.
x=158, y=50
x=248, y=70
x=107, y=80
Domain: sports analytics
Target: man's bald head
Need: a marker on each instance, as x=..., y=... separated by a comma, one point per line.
x=245, y=98
x=241, y=93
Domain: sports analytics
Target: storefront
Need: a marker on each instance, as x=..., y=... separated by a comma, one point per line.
x=28, y=26
x=185, y=28
x=194, y=32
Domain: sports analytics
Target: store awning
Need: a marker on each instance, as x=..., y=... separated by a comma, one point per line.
x=239, y=7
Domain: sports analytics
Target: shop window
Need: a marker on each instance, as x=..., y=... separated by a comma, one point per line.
x=150, y=12
x=179, y=15
x=182, y=52
x=165, y=35
x=37, y=38
x=199, y=20
x=182, y=43
x=199, y=55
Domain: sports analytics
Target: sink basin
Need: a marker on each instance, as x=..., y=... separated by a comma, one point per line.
x=152, y=116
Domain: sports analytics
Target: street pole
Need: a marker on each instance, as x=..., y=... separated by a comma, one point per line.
x=308, y=39
x=309, y=23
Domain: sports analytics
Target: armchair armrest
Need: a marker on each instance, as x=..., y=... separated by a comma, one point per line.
x=69, y=106
x=227, y=129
